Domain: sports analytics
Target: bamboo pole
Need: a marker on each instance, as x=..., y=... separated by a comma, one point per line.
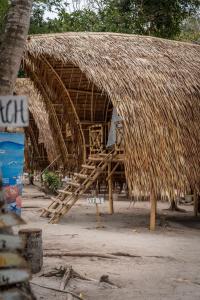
x=153, y=212
x=111, y=207
x=113, y=170
x=195, y=204
x=98, y=216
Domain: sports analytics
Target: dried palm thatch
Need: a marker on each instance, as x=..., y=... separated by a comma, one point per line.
x=25, y=87
x=155, y=86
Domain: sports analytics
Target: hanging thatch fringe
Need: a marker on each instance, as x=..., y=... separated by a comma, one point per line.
x=155, y=86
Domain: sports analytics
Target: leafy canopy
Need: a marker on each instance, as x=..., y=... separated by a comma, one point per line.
x=162, y=18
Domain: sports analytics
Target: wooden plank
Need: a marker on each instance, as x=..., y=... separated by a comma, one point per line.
x=88, y=167
x=14, y=294
x=65, y=192
x=8, y=260
x=56, y=200
x=13, y=276
x=10, y=242
x=82, y=176
x=103, y=154
x=49, y=210
x=96, y=158
x=10, y=219
x=73, y=183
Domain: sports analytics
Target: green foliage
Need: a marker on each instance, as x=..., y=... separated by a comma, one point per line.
x=80, y=20
x=52, y=181
x=150, y=17
x=162, y=18
x=190, y=30
x=4, y=5
x=39, y=24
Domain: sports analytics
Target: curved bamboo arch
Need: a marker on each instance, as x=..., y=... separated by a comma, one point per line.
x=74, y=120
x=54, y=123
x=52, y=92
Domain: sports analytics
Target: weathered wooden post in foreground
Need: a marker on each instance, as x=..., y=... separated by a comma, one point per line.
x=32, y=239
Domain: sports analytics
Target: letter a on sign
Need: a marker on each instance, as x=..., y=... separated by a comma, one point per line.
x=14, y=111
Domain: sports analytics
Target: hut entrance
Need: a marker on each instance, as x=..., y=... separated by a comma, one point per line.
x=107, y=135
x=96, y=138
x=119, y=143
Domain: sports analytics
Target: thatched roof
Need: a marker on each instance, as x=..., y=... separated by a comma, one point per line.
x=155, y=86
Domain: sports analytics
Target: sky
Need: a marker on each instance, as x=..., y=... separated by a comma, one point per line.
x=72, y=5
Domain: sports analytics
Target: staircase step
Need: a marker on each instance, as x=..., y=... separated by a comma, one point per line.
x=90, y=167
x=82, y=176
x=73, y=183
x=65, y=192
x=57, y=200
x=64, y=202
x=49, y=210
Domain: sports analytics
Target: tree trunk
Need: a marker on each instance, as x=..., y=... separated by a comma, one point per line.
x=13, y=42
x=11, y=51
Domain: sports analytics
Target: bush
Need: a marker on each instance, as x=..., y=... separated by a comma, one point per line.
x=52, y=181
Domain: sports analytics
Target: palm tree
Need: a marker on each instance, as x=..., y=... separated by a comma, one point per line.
x=12, y=43
x=11, y=50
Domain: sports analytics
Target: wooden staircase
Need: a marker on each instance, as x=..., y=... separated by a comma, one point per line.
x=75, y=189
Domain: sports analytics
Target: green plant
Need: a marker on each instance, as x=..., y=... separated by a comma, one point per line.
x=52, y=181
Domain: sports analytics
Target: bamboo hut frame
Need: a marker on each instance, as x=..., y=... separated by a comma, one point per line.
x=154, y=85
x=40, y=117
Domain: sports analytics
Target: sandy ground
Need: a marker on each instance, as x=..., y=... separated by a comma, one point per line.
x=169, y=259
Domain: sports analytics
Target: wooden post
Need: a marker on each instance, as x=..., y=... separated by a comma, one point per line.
x=195, y=204
x=33, y=253
x=110, y=192
x=98, y=216
x=153, y=201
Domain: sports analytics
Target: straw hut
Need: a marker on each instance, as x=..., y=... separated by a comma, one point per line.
x=153, y=83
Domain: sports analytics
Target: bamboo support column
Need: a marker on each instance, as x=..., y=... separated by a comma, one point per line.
x=153, y=201
x=98, y=216
x=110, y=192
x=195, y=204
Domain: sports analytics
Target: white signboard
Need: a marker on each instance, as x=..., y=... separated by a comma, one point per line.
x=13, y=276
x=10, y=242
x=14, y=111
x=96, y=200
